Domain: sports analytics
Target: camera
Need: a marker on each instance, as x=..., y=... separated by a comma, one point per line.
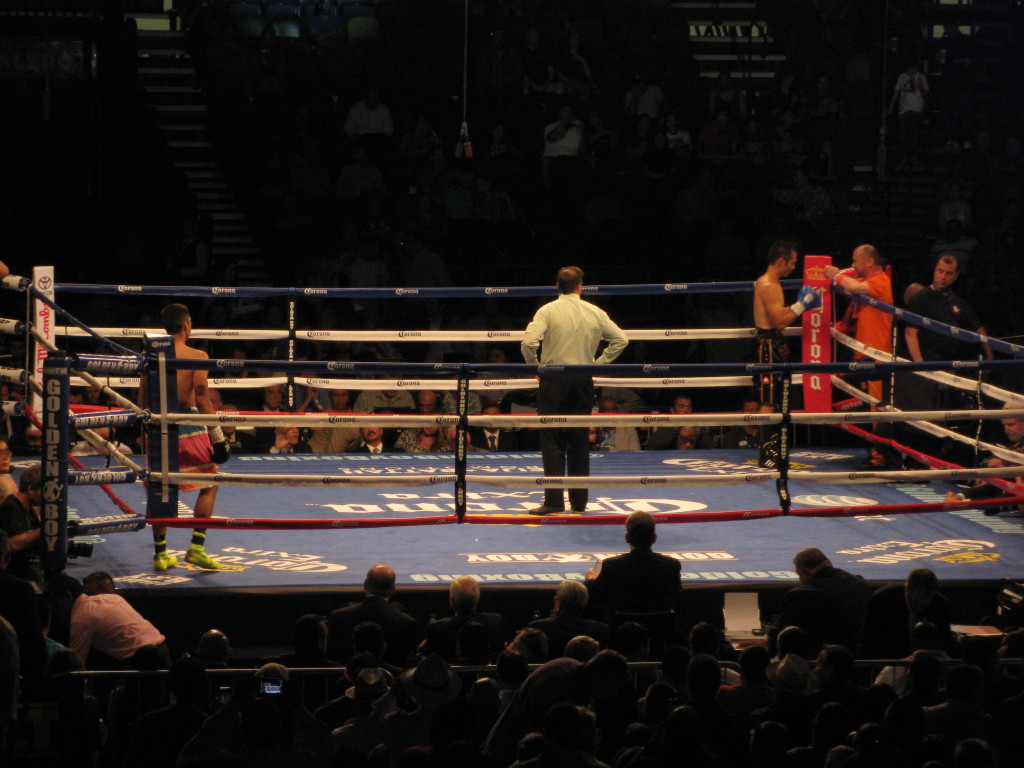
x=79, y=549
x=271, y=687
x=224, y=694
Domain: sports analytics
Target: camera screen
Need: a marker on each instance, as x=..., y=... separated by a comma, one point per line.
x=270, y=686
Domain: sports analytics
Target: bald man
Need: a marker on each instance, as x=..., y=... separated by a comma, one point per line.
x=400, y=629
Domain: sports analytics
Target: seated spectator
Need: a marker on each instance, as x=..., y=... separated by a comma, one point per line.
x=379, y=400
x=563, y=140
x=77, y=735
x=423, y=440
x=172, y=726
x=428, y=685
x=214, y=649
x=288, y=440
x=961, y=715
x=336, y=439
x=82, y=447
x=724, y=733
x=616, y=438
x=360, y=731
x=372, y=440
x=260, y=725
x=753, y=690
x=369, y=118
x=494, y=438
x=895, y=608
x=926, y=642
x=568, y=621
x=834, y=671
x=829, y=604
x=809, y=204
x=688, y=439
x=7, y=484
x=240, y=440
x=19, y=519
x=463, y=599
x=793, y=681
x=19, y=607
x=640, y=580
x=719, y=138
x=662, y=438
x=744, y=435
x=707, y=639
x=999, y=686
x=532, y=643
x=358, y=178
x=399, y=627
x=954, y=240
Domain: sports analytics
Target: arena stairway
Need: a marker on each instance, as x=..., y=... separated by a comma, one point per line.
x=168, y=77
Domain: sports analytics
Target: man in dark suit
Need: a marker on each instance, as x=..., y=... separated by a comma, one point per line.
x=640, y=581
x=894, y=609
x=399, y=627
x=463, y=598
x=371, y=440
x=496, y=439
x=568, y=622
x=830, y=603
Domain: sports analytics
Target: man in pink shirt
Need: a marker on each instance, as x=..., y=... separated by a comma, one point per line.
x=103, y=622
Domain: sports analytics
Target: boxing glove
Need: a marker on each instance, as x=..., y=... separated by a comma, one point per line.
x=808, y=298
x=221, y=450
x=842, y=273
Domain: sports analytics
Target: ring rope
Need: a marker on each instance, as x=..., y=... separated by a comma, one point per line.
x=609, y=519
x=961, y=334
x=640, y=289
x=949, y=379
x=653, y=334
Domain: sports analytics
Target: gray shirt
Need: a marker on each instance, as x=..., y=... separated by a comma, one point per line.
x=572, y=330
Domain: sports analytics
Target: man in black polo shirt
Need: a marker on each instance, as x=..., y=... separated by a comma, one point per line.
x=938, y=302
x=19, y=518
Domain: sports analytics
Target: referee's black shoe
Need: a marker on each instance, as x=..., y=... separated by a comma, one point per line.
x=547, y=511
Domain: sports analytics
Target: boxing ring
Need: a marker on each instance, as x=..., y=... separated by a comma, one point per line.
x=319, y=521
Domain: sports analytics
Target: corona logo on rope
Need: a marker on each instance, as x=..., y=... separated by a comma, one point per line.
x=491, y=291
x=553, y=419
x=226, y=363
x=498, y=334
x=655, y=368
x=407, y=291
x=676, y=286
x=409, y=334
x=222, y=290
x=655, y=419
x=129, y=289
x=341, y=367
x=315, y=291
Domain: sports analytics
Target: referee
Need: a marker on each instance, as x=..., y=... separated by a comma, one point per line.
x=571, y=331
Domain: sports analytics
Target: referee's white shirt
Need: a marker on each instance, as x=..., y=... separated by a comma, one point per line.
x=572, y=330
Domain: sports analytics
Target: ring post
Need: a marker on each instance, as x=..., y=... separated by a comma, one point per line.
x=44, y=322
x=817, y=336
x=460, y=444
x=56, y=395
x=782, y=484
x=162, y=438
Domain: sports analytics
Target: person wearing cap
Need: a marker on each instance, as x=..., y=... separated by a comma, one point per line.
x=793, y=680
x=429, y=685
x=360, y=732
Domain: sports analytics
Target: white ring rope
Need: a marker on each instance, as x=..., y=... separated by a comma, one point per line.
x=934, y=429
x=240, y=334
x=479, y=385
x=385, y=479
x=949, y=379
x=582, y=420
x=88, y=379
x=109, y=448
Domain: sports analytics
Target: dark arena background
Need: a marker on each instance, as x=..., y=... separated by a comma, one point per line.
x=373, y=197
